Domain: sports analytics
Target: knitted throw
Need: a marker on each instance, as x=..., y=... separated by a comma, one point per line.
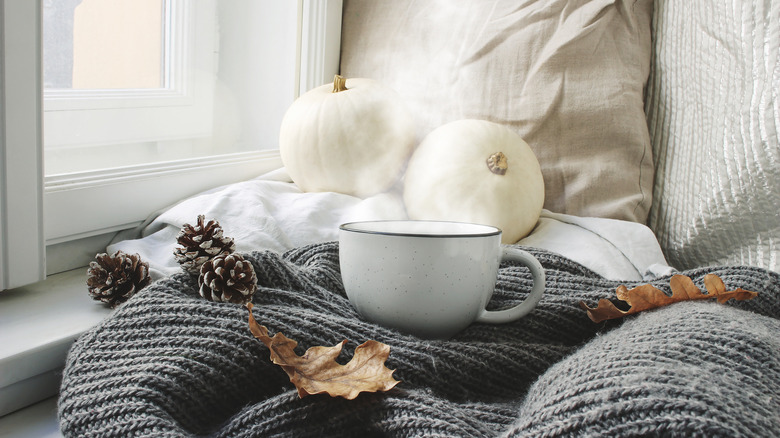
x=169, y=363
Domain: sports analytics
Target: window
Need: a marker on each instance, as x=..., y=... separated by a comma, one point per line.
x=281, y=47
x=132, y=82
x=228, y=73
x=122, y=44
x=201, y=110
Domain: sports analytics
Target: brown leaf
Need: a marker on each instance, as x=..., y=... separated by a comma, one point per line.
x=317, y=370
x=647, y=297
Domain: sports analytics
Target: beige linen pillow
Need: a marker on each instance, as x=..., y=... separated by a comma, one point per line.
x=567, y=75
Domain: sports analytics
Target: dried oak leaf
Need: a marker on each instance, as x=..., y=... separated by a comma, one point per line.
x=317, y=370
x=647, y=297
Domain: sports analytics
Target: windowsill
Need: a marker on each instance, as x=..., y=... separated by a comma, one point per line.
x=36, y=421
x=38, y=324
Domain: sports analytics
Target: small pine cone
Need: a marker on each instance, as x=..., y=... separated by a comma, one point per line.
x=227, y=278
x=201, y=243
x=114, y=279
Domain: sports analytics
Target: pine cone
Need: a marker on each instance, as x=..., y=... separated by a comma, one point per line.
x=227, y=278
x=201, y=243
x=114, y=279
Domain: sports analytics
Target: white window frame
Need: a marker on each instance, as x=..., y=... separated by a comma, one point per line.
x=95, y=203
x=140, y=184
x=181, y=109
x=320, y=42
x=22, y=254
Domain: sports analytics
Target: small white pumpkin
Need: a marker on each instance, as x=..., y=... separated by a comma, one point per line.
x=353, y=137
x=476, y=171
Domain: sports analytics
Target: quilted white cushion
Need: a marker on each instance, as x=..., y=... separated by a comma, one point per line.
x=567, y=75
x=713, y=111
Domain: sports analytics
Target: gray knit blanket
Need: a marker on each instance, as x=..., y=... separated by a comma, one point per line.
x=169, y=363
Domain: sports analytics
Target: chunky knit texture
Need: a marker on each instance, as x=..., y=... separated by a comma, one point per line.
x=169, y=363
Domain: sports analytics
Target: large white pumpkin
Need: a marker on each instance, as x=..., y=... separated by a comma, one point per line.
x=476, y=171
x=352, y=137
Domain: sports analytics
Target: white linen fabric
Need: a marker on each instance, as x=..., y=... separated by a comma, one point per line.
x=270, y=212
x=713, y=111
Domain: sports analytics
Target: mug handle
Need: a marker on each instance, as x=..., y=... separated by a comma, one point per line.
x=522, y=309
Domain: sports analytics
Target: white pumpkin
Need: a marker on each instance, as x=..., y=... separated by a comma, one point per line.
x=476, y=171
x=352, y=137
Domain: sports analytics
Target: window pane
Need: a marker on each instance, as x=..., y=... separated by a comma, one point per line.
x=186, y=79
x=118, y=44
x=100, y=44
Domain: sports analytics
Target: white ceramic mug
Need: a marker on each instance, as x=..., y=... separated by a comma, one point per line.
x=428, y=278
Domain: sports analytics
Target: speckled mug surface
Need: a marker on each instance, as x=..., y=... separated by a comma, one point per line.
x=428, y=278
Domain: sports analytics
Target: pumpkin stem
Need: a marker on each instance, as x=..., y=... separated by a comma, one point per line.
x=339, y=84
x=497, y=163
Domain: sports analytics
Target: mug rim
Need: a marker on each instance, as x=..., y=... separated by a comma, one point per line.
x=490, y=230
